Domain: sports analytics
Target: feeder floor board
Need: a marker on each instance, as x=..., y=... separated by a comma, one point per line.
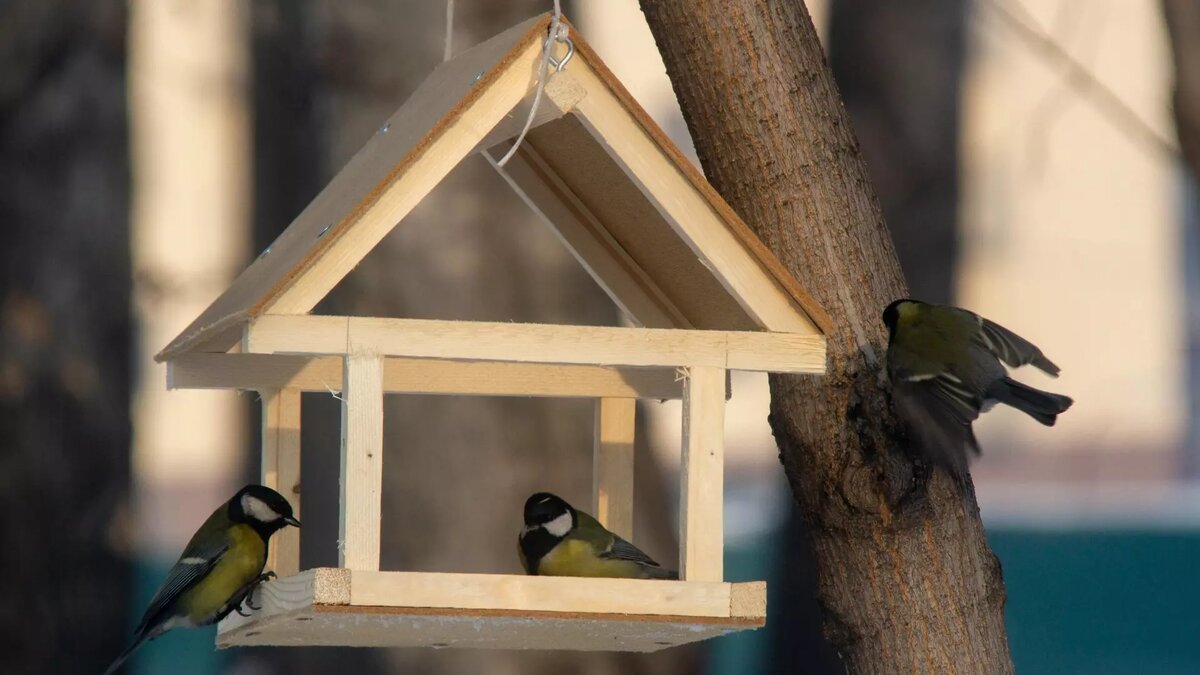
x=340, y=607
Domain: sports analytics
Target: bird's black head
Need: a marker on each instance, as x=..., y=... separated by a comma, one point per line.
x=548, y=512
x=891, y=314
x=261, y=508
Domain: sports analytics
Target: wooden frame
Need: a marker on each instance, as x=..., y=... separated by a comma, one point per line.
x=407, y=609
x=612, y=464
x=701, y=474
x=705, y=297
x=281, y=470
x=537, y=343
x=362, y=462
x=423, y=376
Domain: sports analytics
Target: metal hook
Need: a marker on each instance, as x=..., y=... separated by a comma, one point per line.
x=561, y=64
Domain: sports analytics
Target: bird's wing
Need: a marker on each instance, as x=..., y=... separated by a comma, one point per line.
x=960, y=401
x=1012, y=349
x=940, y=425
x=623, y=550
x=521, y=555
x=590, y=529
x=195, y=564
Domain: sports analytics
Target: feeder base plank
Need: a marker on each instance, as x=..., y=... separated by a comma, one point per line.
x=314, y=608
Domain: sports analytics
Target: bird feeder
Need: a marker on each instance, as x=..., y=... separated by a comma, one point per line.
x=702, y=294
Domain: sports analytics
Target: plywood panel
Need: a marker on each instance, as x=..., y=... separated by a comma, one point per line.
x=572, y=155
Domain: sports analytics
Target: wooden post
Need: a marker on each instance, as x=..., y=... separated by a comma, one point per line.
x=362, y=461
x=612, y=464
x=702, y=472
x=281, y=470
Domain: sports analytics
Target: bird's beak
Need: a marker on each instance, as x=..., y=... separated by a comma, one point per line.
x=292, y=521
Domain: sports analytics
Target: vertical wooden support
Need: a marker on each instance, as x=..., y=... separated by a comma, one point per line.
x=701, y=526
x=362, y=461
x=281, y=470
x=612, y=464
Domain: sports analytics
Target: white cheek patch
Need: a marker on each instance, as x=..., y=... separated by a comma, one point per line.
x=560, y=526
x=258, y=509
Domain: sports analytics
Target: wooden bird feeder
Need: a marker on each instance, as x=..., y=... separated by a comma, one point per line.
x=703, y=294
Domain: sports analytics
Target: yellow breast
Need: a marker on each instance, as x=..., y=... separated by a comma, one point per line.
x=576, y=558
x=239, y=566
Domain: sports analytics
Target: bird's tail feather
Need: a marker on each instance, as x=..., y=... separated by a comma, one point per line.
x=116, y=664
x=1042, y=406
x=140, y=637
x=659, y=573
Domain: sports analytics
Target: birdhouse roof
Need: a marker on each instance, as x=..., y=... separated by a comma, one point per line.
x=637, y=214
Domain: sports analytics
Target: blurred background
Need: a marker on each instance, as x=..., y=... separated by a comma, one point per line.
x=1034, y=161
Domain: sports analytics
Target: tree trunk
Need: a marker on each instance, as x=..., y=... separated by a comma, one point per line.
x=65, y=336
x=905, y=576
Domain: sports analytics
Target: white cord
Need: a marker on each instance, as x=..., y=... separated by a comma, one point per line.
x=448, y=50
x=558, y=31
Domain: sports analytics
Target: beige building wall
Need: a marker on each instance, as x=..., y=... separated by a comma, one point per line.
x=1071, y=226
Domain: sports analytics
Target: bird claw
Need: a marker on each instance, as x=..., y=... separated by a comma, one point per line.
x=247, y=599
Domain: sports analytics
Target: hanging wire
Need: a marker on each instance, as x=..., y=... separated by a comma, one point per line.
x=558, y=33
x=448, y=49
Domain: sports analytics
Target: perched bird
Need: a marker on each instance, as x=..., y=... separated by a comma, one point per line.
x=218, y=569
x=560, y=541
x=944, y=364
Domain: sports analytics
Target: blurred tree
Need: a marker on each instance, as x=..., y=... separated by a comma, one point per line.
x=905, y=576
x=1183, y=28
x=458, y=469
x=65, y=335
x=899, y=68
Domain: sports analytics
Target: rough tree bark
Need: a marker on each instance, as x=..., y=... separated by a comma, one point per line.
x=65, y=335
x=906, y=578
x=899, y=67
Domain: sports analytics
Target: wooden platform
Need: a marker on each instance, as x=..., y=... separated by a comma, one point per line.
x=330, y=606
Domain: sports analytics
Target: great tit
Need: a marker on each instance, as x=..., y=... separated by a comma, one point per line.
x=560, y=541
x=944, y=364
x=218, y=569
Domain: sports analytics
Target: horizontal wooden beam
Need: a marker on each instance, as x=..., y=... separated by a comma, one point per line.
x=368, y=608
x=537, y=343
x=546, y=594
x=422, y=376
